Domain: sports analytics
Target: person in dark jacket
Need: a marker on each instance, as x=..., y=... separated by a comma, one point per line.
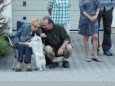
x=57, y=42
x=106, y=14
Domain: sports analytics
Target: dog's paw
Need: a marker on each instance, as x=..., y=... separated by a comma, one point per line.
x=35, y=68
x=44, y=69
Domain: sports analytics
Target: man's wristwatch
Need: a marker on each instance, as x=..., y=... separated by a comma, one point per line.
x=63, y=46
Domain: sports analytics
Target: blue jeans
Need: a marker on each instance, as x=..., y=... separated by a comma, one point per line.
x=24, y=50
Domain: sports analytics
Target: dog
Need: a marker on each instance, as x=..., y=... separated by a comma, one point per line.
x=37, y=48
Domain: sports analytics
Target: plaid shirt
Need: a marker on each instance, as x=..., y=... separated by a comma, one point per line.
x=108, y=4
x=59, y=11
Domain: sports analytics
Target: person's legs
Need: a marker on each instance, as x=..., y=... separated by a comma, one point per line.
x=95, y=45
x=67, y=54
x=21, y=50
x=86, y=46
x=67, y=51
x=99, y=20
x=51, y=55
x=107, y=21
x=49, y=52
x=27, y=58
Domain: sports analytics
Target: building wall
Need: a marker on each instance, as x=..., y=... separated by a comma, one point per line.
x=38, y=8
x=113, y=23
x=8, y=13
x=33, y=8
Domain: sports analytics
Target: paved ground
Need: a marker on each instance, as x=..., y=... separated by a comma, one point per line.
x=80, y=70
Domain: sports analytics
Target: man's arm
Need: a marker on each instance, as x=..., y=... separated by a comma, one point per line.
x=61, y=49
x=50, y=6
x=65, y=44
x=66, y=40
x=49, y=11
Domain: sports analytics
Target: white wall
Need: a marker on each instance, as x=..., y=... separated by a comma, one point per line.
x=113, y=24
x=8, y=13
x=74, y=12
x=38, y=8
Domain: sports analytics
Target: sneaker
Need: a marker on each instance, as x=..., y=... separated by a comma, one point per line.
x=65, y=64
x=53, y=65
x=108, y=53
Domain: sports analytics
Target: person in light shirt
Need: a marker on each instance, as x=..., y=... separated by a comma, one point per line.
x=59, y=10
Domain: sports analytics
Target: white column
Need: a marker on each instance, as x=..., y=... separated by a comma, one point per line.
x=8, y=13
x=113, y=23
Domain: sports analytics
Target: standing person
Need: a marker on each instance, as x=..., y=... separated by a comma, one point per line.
x=106, y=13
x=57, y=43
x=59, y=12
x=22, y=35
x=88, y=25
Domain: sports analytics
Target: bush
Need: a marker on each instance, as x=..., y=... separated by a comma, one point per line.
x=3, y=46
x=3, y=26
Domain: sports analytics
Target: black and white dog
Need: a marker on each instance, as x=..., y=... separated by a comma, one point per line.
x=37, y=48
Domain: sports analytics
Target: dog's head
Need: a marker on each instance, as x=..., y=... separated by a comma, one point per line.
x=34, y=38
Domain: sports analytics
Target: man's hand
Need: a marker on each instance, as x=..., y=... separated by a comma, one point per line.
x=60, y=51
x=43, y=35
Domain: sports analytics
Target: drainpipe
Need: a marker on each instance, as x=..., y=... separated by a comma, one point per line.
x=10, y=8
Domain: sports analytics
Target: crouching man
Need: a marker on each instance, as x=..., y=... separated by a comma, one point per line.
x=57, y=43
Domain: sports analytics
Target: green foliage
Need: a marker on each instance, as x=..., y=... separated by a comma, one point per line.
x=3, y=26
x=3, y=45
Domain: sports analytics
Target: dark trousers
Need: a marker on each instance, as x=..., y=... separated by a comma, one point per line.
x=107, y=21
x=24, y=50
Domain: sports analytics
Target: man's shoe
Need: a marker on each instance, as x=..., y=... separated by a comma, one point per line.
x=108, y=53
x=65, y=64
x=29, y=69
x=18, y=69
x=53, y=65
